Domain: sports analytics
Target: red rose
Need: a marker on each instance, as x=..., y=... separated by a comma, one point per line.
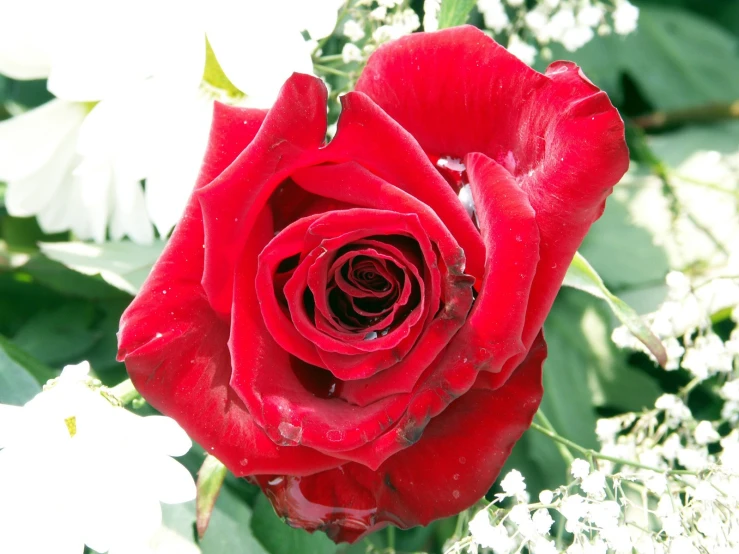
x=331, y=320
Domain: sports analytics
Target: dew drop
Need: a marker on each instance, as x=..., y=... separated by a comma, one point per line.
x=462, y=460
x=455, y=494
x=334, y=435
x=371, y=335
x=456, y=477
x=244, y=462
x=291, y=432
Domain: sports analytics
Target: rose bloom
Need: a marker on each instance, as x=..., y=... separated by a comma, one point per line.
x=334, y=322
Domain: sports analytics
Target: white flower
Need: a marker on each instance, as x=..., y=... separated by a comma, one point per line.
x=590, y=15
x=494, y=14
x=353, y=30
x=594, y=485
x=154, y=112
x=625, y=17
x=607, y=429
x=705, y=433
x=576, y=37
x=671, y=525
x=542, y=521
x=89, y=439
x=675, y=410
x=573, y=508
x=546, y=497
x=579, y=468
x=482, y=531
x=521, y=49
x=431, y=14
x=513, y=484
x=351, y=53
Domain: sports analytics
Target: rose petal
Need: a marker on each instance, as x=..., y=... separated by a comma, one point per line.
x=368, y=137
x=292, y=131
x=172, y=340
x=557, y=134
x=475, y=435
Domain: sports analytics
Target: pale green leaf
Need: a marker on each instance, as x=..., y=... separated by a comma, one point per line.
x=581, y=275
x=210, y=480
x=454, y=12
x=124, y=265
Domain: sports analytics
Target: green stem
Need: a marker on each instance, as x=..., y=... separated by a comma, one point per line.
x=329, y=58
x=547, y=427
x=125, y=392
x=331, y=70
x=391, y=538
x=587, y=452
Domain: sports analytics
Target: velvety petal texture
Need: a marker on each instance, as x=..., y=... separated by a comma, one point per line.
x=356, y=325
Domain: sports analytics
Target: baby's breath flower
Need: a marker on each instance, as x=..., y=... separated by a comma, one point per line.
x=521, y=49
x=513, y=484
x=625, y=17
x=353, y=30
x=579, y=468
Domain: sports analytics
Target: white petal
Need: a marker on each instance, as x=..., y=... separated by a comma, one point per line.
x=25, y=29
x=317, y=17
x=9, y=420
x=32, y=194
x=29, y=140
x=162, y=434
x=65, y=210
x=182, y=134
x=129, y=212
x=239, y=40
x=171, y=482
x=95, y=182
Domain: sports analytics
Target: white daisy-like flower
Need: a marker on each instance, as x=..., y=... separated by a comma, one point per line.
x=57, y=456
x=82, y=167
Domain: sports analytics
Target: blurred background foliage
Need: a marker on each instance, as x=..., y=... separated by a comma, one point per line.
x=675, y=81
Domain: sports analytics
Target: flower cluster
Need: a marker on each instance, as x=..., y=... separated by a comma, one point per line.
x=571, y=23
x=663, y=480
x=83, y=429
x=375, y=22
x=138, y=105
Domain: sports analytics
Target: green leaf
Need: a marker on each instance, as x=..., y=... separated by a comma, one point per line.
x=17, y=385
x=454, y=12
x=124, y=265
x=40, y=371
x=59, y=336
x=231, y=527
x=581, y=275
x=677, y=59
x=279, y=538
x=69, y=282
x=210, y=480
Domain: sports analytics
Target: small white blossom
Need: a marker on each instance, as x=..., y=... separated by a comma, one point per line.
x=89, y=439
x=546, y=497
x=590, y=15
x=594, y=485
x=521, y=49
x=494, y=14
x=431, y=14
x=542, y=521
x=353, y=30
x=674, y=408
x=625, y=17
x=513, y=484
x=579, y=468
x=705, y=433
x=351, y=53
